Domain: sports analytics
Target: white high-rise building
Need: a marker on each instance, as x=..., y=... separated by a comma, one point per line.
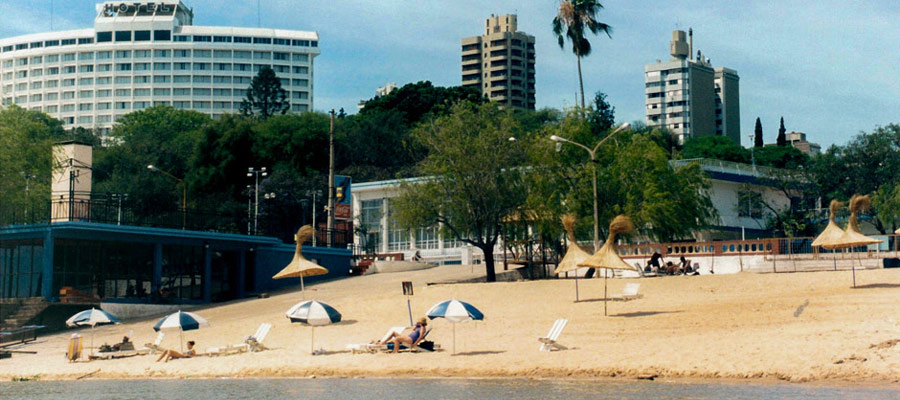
x=689, y=97
x=139, y=55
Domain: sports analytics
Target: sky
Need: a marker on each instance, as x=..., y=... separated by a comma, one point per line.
x=829, y=67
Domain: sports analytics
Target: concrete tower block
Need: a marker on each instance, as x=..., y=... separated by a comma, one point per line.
x=71, y=185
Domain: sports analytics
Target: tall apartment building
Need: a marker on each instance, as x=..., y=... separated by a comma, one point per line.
x=690, y=97
x=141, y=54
x=501, y=63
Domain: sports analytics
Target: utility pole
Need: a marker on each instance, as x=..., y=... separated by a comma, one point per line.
x=253, y=172
x=330, y=223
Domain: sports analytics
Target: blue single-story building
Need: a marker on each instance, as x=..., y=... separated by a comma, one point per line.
x=139, y=264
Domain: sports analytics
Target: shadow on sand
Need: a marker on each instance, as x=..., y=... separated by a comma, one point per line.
x=878, y=286
x=643, y=314
x=478, y=353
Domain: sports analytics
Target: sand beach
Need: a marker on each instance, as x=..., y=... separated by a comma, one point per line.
x=798, y=327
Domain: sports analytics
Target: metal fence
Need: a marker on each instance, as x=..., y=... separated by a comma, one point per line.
x=100, y=209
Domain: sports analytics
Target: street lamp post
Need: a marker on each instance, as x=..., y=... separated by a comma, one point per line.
x=593, y=153
x=314, y=193
x=119, y=197
x=28, y=177
x=752, y=145
x=253, y=172
x=183, y=192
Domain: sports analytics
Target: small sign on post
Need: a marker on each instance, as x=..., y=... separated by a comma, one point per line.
x=408, y=291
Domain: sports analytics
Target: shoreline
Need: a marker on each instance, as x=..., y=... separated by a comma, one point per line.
x=686, y=380
x=799, y=328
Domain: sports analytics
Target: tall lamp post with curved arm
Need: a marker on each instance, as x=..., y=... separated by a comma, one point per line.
x=183, y=192
x=593, y=153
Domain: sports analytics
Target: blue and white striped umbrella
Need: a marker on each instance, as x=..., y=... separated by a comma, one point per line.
x=184, y=321
x=315, y=313
x=92, y=318
x=455, y=311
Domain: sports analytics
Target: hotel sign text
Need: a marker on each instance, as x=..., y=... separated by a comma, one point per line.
x=137, y=9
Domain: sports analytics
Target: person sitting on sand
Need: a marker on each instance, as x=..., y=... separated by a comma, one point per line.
x=671, y=269
x=410, y=340
x=654, y=260
x=172, y=354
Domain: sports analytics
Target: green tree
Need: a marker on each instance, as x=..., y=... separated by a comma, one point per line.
x=781, y=157
x=265, y=96
x=781, y=140
x=863, y=165
x=416, y=100
x=603, y=115
x=636, y=179
x=758, y=134
x=26, y=161
x=574, y=20
x=162, y=136
x=472, y=182
x=716, y=147
x=886, y=201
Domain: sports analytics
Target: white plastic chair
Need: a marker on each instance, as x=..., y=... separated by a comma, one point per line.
x=629, y=293
x=549, y=342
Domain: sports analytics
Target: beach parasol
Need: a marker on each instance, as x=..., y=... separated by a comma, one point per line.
x=852, y=237
x=92, y=318
x=832, y=232
x=300, y=266
x=181, y=320
x=313, y=313
x=574, y=255
x=607, y=257
x=454, y=311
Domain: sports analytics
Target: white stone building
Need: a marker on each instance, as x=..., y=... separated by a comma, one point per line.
x=139, y=55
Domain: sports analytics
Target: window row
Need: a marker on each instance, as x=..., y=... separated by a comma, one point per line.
x=166, y=53
x=125, y=67
x=159, y=36
x=146, y=79
x=106, y=93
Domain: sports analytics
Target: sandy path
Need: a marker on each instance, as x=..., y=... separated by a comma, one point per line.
x=716, y=326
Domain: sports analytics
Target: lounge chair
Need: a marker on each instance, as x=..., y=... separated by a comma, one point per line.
x=629, y=293
x=390, y=346
x=252, y=343
x=373, y=347
x=549, y=342
x=125, y=350
x=154, y=347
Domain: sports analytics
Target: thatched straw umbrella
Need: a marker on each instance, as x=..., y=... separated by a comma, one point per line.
x=607, y=257
x=300, y=266
x=574, y=255
x=852, y=237
x=832, y=232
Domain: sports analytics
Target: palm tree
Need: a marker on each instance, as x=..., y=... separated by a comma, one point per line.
x=573, y=17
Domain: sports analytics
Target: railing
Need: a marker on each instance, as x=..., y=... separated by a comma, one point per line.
x=777, y=248
x=106, y=211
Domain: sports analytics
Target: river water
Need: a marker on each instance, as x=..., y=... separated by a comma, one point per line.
x=425, y=389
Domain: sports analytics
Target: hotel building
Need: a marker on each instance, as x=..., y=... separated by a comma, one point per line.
x=689, y=97
x=139, y=55
x=500, y=63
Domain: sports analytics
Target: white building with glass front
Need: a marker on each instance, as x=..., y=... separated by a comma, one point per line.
x=377, y=229
x=139, y=55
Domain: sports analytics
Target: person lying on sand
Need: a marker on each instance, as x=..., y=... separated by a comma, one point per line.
x=410, y=340
x=172, y=354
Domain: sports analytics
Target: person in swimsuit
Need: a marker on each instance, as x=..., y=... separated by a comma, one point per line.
x=410, y=340
x=172, y=354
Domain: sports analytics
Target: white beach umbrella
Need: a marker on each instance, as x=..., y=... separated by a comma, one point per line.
x=313, y=313
x=92, y=318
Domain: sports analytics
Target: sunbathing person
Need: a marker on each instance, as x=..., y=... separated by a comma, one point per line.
x=410, y=340
x=173, y=354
